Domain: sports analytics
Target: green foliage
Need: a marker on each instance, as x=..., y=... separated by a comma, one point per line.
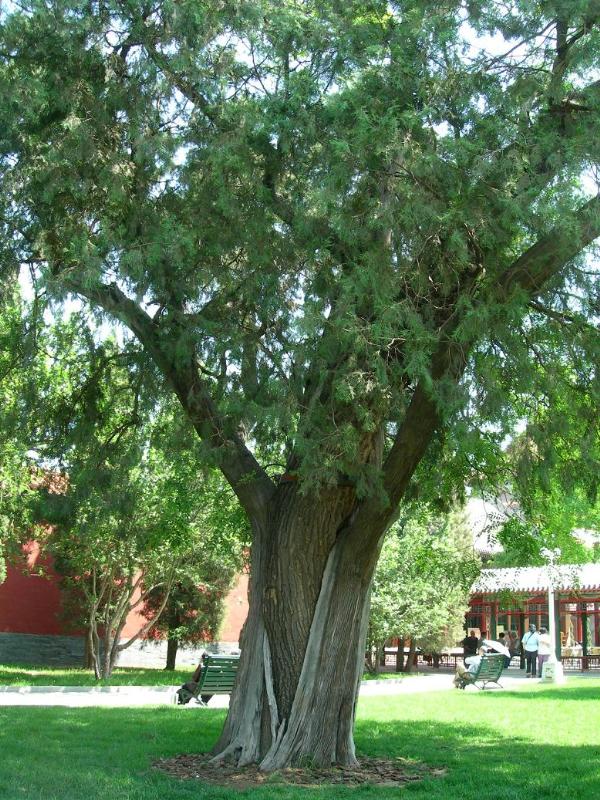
x=551, y=523
x=17, y=351
x=421, y=586
x=194, y=608
x=554, y=464
x=309, y=201
x=195, y=604
x=115, y=480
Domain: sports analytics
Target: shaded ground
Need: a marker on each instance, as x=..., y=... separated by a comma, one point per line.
x=372, y=771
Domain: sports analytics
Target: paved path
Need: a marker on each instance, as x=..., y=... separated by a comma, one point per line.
x=76, y=696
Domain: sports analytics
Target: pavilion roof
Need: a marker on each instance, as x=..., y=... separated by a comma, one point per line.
x=565, y=577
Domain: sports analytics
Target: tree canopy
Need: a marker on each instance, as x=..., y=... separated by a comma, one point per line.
x=307, y=219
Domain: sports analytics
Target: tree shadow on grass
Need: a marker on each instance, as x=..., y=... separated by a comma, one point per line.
x=93, y=753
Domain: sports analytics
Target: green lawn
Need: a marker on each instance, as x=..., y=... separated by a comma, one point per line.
x=386, y=676
x=27, y=675
x=542, y=742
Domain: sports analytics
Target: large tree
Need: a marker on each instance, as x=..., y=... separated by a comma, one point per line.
x=340, y=231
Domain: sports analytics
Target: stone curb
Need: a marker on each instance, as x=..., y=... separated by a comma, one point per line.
x=133, y=690
x=126, y=690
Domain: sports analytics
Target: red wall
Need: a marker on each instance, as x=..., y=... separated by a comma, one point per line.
x=30, y=603
x=236, y=611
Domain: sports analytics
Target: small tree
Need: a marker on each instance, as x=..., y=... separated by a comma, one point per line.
x=130, y=515
x=195, y=605
x=421, y=585
x=117, y=544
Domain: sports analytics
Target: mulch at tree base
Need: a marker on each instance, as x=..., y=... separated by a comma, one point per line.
x=376, y=771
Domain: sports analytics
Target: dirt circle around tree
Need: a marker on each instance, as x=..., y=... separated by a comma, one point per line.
x=395, y=772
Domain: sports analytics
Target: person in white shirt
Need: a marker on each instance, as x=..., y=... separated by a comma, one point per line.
x=544, y=649
x=465, y=673
x=530, y=644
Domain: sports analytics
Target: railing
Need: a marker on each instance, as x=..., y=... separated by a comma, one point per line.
x=570, y=663
x=581, y=663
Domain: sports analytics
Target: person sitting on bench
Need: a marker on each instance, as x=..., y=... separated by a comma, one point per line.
x=469, y=668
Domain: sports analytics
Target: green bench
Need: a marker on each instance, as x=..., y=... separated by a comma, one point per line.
x=217, y=676
x=489, y=671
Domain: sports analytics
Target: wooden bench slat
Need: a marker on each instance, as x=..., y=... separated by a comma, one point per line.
x=217, y=676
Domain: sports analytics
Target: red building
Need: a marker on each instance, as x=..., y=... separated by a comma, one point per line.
x=511, y=599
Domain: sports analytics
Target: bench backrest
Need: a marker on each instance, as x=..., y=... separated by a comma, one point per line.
x=490, y=666
x=218, y=675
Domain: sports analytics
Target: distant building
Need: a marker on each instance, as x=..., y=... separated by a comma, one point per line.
x=510, y=599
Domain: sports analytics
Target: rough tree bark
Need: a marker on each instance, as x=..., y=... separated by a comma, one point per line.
x=410, y=661
x=400, y=656
x=303, y=643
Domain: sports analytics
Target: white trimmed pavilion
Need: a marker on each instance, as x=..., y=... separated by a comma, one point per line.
x=510, y=599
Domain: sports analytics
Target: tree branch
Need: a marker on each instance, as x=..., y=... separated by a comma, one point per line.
x=146, y=627
x=549, y=254
x=528, y=274
x=562, y=317
x=249, y=481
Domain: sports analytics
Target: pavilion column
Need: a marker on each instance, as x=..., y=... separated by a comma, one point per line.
x=556, y=623
x=584, y=636
x=521, y=635
x=494, y=621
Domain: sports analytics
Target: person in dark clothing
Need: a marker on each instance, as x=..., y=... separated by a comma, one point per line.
x=469, y=644
x=503, y=639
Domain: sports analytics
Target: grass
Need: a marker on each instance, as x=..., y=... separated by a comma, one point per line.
x=542, y=742
x=27, y=675
x=385, y=676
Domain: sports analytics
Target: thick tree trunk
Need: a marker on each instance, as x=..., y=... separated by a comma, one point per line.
x=303, y=642
x=172, y=647
x=412, y=652
x=400, y=656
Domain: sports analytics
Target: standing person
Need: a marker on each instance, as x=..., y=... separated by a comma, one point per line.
x=544, y=649
x=530, y=644
x=469, y=644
